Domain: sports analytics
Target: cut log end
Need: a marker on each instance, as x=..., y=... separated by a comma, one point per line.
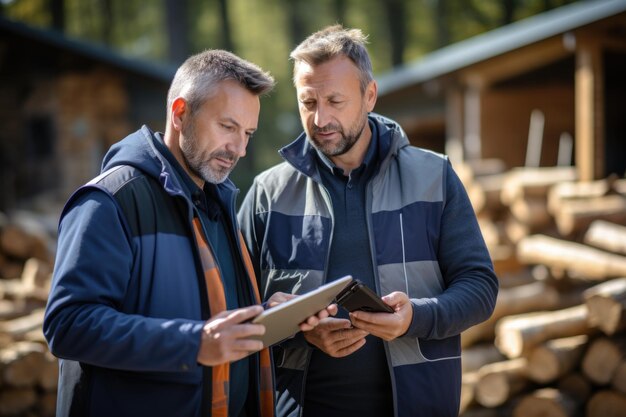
x=602, y=360
x=543, y=365
x=547, y=402
x=493, y=390
x=606, y=404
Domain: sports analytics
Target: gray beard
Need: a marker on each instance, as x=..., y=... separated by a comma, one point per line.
x=198, y=162
x=346, y=142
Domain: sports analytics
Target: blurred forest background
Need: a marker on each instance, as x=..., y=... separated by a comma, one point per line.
x=265, y=31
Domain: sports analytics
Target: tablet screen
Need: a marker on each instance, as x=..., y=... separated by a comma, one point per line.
x=283, y=320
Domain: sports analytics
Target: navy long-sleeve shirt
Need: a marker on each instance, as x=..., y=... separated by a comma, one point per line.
x=357, y=384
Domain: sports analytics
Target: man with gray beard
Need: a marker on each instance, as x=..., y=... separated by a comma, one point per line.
x=152, y=287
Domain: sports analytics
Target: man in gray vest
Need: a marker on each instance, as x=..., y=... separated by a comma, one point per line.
x=354, y=198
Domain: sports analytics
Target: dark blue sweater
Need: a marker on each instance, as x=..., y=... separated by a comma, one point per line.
x=343, y=386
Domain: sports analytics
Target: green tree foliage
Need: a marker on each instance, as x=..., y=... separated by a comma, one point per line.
x=265, y=31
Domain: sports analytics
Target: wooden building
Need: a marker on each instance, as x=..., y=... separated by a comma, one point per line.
x=64, y=102
x=563, y=69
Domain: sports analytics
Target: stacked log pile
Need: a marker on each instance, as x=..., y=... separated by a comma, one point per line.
x=28, y=372
x=554, y=346
x=556, y=342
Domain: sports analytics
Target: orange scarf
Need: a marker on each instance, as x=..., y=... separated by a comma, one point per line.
x=217, y=304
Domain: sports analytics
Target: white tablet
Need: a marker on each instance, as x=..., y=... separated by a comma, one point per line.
x=283, y=320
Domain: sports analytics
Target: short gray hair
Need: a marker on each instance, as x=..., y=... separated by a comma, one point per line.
x=333, y=41
x=200, y=73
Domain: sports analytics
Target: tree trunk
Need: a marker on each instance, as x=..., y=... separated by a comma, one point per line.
x=340, y=11
x=517, y=335
x=606, y=404
x=21, y=363
x=576, y=215
x=36, y=274
x=48, y=377
x=547, y=402
x=106, y=11
x=177, y=25
x=21, y=245
x=618, y=382
x=556, y=358
x=16, y=401
x=602, y=359
x=475, y=357
x=569, y=256
x=515, y=230
x=576, y=385
x=10, y=309
x=297, y=27
x=533, y=182
x=607, y=305
x=441, y=20
x=508, y=11
x=16, y=290
x=46, y=404
x=18, y=327
x=500, y=381
x=227, y=38
x=396, y=23
x=607, y=236
x=468, y=390
x=57, y=11
x=568, y=191
x=532, y=212
x=518, y=300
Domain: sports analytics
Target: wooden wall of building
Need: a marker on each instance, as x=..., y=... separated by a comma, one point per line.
x=62, y=110
x=505, y=121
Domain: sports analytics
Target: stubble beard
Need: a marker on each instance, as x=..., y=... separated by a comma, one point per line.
x=345, y=143
x=199, y=162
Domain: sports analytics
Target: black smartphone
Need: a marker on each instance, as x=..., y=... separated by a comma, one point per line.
x=358, y=296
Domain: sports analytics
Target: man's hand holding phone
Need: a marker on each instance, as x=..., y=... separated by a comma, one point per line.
x=384, y=325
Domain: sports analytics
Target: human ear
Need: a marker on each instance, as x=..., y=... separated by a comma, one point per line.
x=371, y=94
x=179, y=109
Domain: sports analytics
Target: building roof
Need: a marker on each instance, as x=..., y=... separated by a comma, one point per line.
x=159, y=72
x=498, y=41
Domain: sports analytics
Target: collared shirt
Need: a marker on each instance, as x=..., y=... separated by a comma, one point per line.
x=358, y=384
